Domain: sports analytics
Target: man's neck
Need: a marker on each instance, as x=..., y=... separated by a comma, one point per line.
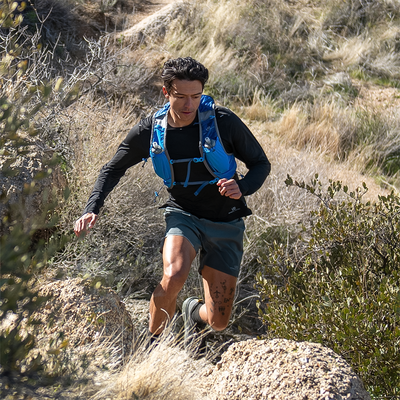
x=176, y=123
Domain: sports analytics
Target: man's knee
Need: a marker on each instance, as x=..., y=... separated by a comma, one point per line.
x=173, y=280
x=219, y=323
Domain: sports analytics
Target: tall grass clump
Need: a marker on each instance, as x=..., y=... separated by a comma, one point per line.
x=377, y=148
x=157, y=372
x=338, y=283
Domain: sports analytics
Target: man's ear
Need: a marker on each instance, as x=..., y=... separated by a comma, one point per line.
x=165, y=92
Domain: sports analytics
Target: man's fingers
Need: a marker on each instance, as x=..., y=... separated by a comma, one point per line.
x=87, y=221
x=92, y=221
x=234, y=194
x=221, y=181
x=79, y=226
x=229, y=188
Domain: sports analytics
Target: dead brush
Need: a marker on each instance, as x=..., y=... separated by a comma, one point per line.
x=323, y=127
x=123, y=247
x=162, y=371
x=58, y=25
x=279, y=212
x=38, y=63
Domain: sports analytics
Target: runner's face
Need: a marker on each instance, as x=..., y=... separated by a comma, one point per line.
x=184, y=98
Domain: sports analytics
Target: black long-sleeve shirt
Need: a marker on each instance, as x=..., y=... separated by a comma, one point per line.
x=183, y=143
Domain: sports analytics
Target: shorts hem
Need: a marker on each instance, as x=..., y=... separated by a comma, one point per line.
x=181, y=235
x=231, y=273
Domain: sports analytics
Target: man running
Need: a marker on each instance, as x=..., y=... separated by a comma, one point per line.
x=193, y=145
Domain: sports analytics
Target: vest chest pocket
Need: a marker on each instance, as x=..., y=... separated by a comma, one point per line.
x=162, y=168
x=222, y=164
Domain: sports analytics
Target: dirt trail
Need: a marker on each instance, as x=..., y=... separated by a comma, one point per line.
x=147, y=9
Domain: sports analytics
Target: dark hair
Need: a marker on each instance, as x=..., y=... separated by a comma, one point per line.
x=183, y=69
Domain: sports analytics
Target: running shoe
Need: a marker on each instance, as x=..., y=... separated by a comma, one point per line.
x=191, y=339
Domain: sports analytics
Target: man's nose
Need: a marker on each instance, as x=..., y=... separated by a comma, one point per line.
x=188, y=102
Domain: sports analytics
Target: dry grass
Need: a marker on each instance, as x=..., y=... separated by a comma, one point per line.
x=375, y=51
x=316, y=129
x=161, y=372
x=277, y=205
x=279, y=46
x=350, y=52
x=262, y=108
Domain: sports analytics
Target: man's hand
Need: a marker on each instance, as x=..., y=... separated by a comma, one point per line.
x=85, y=222
x=229, y=188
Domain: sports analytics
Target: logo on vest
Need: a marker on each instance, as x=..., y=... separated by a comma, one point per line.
x=233, y=209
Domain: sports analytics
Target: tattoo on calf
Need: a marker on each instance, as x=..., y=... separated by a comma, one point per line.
x=223, y=285
x=222, y=298
x=216, y=294
x=227, y=299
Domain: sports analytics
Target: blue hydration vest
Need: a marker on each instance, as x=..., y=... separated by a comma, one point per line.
x=218, y=162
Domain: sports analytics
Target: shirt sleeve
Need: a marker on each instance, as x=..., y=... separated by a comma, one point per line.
x=238, y=139
x=131, y=151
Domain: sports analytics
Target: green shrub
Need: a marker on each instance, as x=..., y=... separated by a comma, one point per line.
x=24, y=249
x=339, y=283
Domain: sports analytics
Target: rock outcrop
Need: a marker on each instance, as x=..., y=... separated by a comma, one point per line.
x=87, y=315
x=283, y=370
x=155, y=25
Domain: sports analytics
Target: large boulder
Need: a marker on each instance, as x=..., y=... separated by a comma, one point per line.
x=87, y=316
x=282, y=369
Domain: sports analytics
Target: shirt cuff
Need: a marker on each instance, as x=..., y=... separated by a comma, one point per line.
x=244, y=188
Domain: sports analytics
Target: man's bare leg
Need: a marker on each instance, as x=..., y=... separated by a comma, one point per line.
x=178, y=255
x=219, y=293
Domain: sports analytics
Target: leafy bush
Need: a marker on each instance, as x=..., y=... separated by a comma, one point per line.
x=23, y=248
x=339, y=283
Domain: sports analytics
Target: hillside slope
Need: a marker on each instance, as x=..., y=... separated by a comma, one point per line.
x=316, y=82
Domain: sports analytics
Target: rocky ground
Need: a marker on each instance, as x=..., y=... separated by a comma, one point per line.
x=283, y=370
x=250, y=369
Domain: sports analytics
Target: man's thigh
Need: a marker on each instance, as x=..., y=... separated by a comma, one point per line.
x=178, y=255
x=220, y=243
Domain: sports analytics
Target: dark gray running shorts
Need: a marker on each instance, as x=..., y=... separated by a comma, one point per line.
x=220, y=243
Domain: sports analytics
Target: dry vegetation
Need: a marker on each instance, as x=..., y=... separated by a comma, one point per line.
x=145, y=377
x=316, y=81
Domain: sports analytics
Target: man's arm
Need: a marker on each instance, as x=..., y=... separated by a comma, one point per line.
x=131, y=151
x=238, y=140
